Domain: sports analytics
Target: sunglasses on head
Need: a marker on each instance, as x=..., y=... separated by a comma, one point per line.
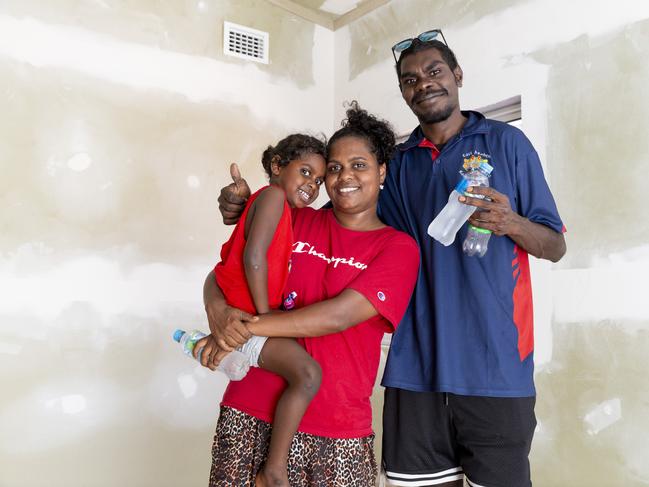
x=428, y=36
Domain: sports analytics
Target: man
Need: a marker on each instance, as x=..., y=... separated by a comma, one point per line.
x=460, y=395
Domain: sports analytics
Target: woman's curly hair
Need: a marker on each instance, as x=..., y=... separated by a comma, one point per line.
x=378, y=133
x=290, y=148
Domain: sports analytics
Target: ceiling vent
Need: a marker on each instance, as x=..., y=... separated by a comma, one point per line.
x=244, y=42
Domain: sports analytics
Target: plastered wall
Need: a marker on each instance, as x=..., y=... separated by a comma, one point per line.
x=117, y=124
x=581, y=70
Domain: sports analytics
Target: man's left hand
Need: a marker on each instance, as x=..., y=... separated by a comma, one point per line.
x=494, y=211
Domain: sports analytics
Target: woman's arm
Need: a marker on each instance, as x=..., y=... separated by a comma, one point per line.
x=231, y=327
x=261, y=224
x=329, y=316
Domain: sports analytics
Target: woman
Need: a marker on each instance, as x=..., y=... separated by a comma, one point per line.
x=352, y=277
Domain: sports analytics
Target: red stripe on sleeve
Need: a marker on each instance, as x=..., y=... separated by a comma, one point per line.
x=523, y=308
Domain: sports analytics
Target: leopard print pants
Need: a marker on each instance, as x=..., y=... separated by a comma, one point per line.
x=241, y=444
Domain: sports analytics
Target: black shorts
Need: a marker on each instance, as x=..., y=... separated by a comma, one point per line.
x=430, y=438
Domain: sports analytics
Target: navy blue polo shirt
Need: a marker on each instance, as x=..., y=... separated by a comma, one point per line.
x=468, y=328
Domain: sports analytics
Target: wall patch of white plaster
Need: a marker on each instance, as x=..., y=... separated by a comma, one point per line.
x=69, y=404
x=78, y=194
x=193, y=181
x=169, y=403
x=99, y=282
x=188, y=385
x=202, y=372
x=73, y=404
x=612, y=288
x=80, y=161
x=52, y=165
x=66, y=418
x=10, y=348
x=603, y=415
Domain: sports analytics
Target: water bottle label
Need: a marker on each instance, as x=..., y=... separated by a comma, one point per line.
x=462, y=185
x=479, y=230
x=486, y=168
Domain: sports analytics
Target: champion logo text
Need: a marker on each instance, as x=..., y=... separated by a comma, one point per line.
x=307, y=248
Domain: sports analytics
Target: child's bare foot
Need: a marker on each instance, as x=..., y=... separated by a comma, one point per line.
x=272, y=477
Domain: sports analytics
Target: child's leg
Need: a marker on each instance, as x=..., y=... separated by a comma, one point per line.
x=284, y=356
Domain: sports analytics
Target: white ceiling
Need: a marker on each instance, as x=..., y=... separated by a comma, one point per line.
x=330, y=13
x=336, y=7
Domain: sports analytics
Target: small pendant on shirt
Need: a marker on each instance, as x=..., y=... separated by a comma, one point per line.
x=289, y=302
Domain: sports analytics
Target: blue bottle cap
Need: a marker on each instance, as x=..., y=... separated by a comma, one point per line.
x=462, y=185
x=178, y=334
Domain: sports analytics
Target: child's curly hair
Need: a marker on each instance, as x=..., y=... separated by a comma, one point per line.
x=290, y=148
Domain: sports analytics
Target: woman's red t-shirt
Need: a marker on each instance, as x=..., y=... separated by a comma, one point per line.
x=328, y=258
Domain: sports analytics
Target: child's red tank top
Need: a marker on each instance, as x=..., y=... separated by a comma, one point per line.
x=230, y=272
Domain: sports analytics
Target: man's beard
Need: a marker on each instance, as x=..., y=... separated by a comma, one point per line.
x=437, y=116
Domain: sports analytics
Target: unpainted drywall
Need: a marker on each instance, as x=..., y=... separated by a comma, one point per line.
x=597, y=130
x=593, y=407
x=192, y=27
x=119, y=121
x=98, y=168
x=373, y=35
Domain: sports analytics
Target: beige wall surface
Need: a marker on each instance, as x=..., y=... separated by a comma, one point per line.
x=118, y=121
x=581, y=70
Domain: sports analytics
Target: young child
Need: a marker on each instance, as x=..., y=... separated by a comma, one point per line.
x=253, y=271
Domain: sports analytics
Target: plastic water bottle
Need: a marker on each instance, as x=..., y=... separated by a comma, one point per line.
x=235, y=364
x=477, y=239
x=446, y=224
x=448, y=221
